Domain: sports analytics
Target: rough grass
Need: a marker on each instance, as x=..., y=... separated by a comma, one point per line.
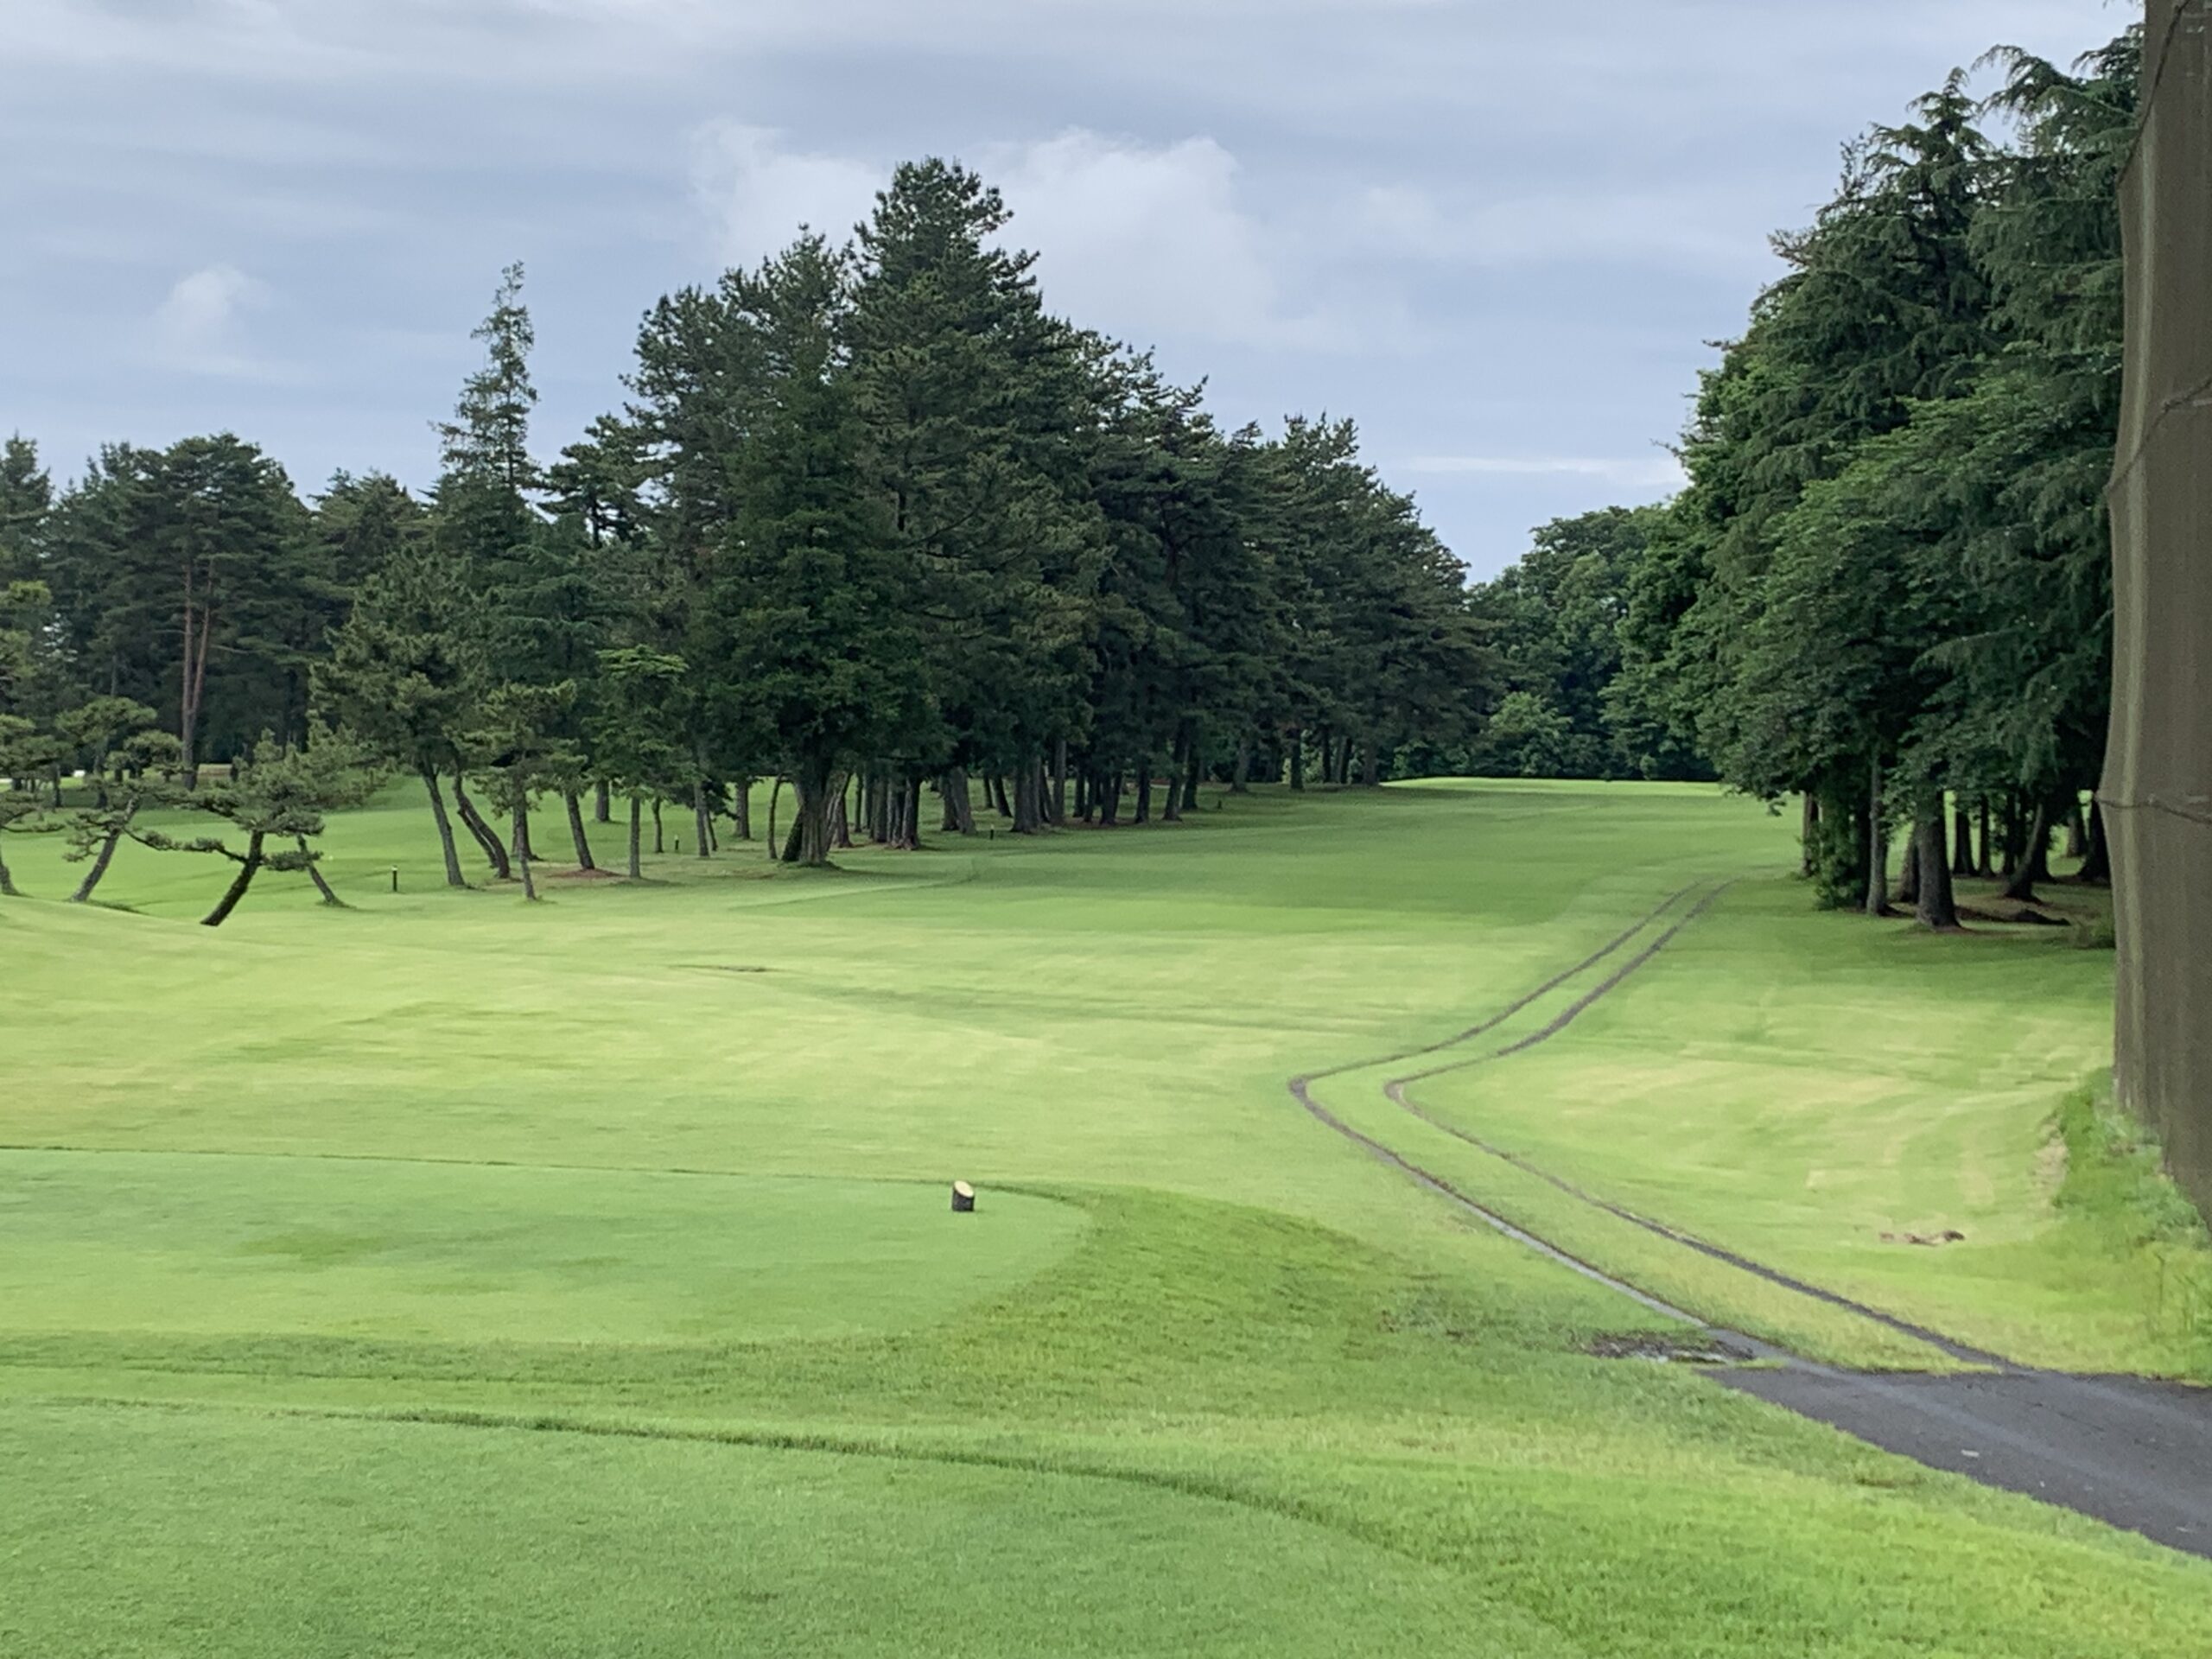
x=1216, y=1383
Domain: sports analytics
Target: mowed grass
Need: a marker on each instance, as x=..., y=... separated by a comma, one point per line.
x=446, y=1275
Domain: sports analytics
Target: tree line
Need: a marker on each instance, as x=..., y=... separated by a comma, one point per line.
x=1887, y=590
x=870, y=521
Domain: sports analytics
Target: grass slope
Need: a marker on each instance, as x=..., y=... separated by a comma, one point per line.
x=364, y=1308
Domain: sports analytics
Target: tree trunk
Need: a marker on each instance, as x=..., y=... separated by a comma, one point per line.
x=999, y=802
x=1878, y=845
x=1936, y=905
x=8, y=888
x=2096, y=863
x=454, y=877
x=637, y=837
x=314, y=874
x=1808, y=831
x=1963, y=835
x=522, y=849
x=812, y=790
x=247, y=866
x=1371, y=765
x=700, y=822
x=1908, y=891
x=1110, y=801
x=104, y=858
x=1056, y=789
x=2034, y=863
x=1239, y=781
x=1170, y=809
x=910, y=830
x=1194, y=760
x=602, y=808
x=576, y=806
x=959, y=810
x=2077, y=831
x=841, y=821
x=494, y=849
x=775, y=790
x=740, y=811
x=1985, y=866
x=1028, y=796
x=1297, y=761
x=660, y=830
x=1144, y=791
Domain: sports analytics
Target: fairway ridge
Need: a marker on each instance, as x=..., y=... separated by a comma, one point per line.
x=2134, y=1454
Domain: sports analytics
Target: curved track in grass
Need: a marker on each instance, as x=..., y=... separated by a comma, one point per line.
x=2127, y=1451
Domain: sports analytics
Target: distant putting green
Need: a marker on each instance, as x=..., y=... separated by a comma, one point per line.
x=207, y=1245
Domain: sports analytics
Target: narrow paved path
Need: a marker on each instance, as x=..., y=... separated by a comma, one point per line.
x=2132, y=1452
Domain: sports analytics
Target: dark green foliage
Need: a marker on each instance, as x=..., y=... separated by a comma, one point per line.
x=1887, y=587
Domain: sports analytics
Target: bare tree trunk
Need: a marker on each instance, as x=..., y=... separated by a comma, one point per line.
x=247, y=866
x=700, y=821
x=840, y=820
x=2096, y=863
x=2034, y=865
x=1192, y=762
x=315, y=876
x=1808, y=831
x=775, y=790
x=1297, y=762
x=741, y=808
x=1936, y=904
x=522, y=849
x=637, y=838
x=1171, y=808
x=493, y=849
x=959, y=811
x=1908, y=891
x=104, y=858
x=1878, y=845
x=1144, y=791
x=812, y=792
x=1056, y=789
x=1028, y=790
x=1985, y=864
x=576, y=806
x=603, y=809
x=454, y=877
x=2077, y=830
x=1111, y=800
x=1240, y=780
x=660, y=831
x=999, y=801
x=1963, y=835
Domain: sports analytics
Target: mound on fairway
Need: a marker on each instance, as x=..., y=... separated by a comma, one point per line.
x=210, y=1245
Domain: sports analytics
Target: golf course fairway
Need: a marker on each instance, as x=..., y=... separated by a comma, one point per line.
x=445, y=1274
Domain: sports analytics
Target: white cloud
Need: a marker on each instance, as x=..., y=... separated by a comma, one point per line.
x=1146, y=242
x=758, y=193
x=1659, y=472
x=1150, y=242
x=197, y=329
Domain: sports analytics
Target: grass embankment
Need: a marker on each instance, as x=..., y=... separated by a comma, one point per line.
x=390, y=1331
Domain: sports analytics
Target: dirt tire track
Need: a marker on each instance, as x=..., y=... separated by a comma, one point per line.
x=2134, y=1454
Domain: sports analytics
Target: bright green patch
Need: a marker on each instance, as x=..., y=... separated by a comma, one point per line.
x=199, y=1245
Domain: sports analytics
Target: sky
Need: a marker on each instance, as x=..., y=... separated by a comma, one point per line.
x=1500, y=234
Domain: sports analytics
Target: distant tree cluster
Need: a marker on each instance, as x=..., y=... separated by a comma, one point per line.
x=1887, y=588
x=871, y=523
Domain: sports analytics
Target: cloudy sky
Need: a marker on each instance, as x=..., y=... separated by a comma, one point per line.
x=1498, y=233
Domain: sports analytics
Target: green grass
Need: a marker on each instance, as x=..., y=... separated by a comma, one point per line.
x=450, y=1276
